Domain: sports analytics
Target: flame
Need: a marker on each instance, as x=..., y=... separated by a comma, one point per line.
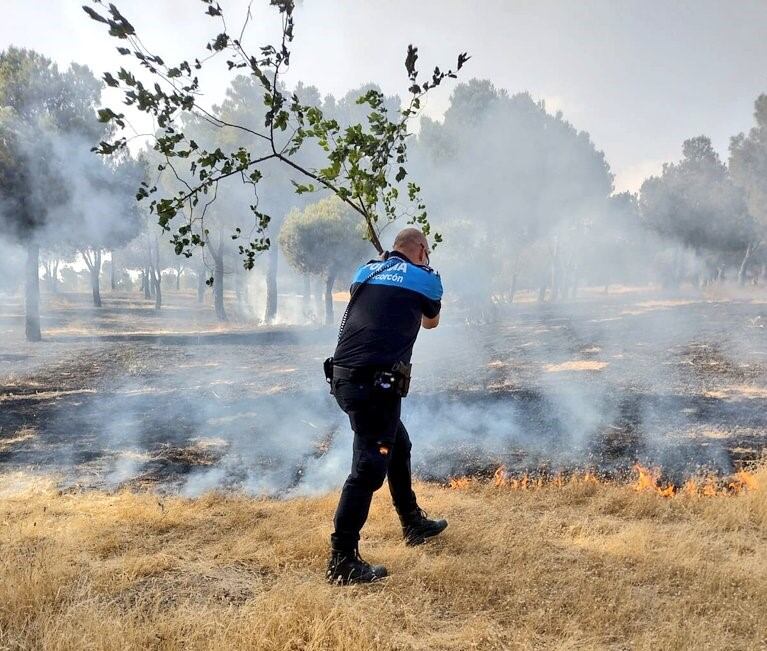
x=648, y=480
x=459, y=483
x=690, y=488
x=669, y=491
x=520, y=484
x=695, y=487
x=743, y=481
x=709, y=488
x=590, y=478
x=501, y=478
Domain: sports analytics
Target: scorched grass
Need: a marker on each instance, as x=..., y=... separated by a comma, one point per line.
x=579, y=566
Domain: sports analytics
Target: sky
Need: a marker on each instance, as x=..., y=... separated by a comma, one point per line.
x=640, y=76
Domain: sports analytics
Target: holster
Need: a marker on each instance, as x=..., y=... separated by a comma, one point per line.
x=397, y=380
x=327, y=367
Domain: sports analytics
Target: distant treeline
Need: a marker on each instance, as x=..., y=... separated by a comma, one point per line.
x=523, y=199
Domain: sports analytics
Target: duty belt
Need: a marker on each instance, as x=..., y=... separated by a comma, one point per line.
x=356, y=374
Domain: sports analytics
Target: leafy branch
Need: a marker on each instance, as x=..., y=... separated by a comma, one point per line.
x=365, y=166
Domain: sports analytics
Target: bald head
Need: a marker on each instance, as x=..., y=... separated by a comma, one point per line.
x=413, y=244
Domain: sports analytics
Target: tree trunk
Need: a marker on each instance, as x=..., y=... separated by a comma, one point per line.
x=239, y=288
x=307, y=294
x=157, y=284
x=32, y=293
x=318, y=293
x=513, y=287
x=112, y=273
x=95, y=270
x=744, y=267
x=218, y=282
x=47, y=269
x=331, y=279
x=50, y=277
x=147, y=284
x=271, y=285
x=679, y=268
x=178, y=279
x=574, y=286
x=555, y=273
x=157, y=274
x=201, y=284
x=55, y=278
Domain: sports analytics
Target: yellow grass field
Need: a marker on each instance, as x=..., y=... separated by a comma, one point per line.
x=578, y=566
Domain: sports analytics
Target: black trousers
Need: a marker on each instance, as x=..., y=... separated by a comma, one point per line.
x=381, y=450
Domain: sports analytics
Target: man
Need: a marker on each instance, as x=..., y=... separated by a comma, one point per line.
x=390, y=301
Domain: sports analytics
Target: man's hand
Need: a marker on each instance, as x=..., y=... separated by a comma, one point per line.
x=428, y=323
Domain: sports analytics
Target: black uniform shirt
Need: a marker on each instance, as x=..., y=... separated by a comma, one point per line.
x=384, y=320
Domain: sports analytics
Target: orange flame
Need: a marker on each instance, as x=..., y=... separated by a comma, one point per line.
x=709, y=488
x=459, y=483
x=501, y=478
x=590, y=478
x=648, y=480
x=690, y=488
x=520, y=484
x=743, y=481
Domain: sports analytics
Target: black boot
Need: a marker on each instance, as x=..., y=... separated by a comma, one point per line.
x=347, y=567
x=416, y=527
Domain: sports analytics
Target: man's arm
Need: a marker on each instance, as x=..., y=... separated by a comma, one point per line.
x=431, y=303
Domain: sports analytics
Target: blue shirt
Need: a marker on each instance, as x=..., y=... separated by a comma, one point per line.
x=385, y=318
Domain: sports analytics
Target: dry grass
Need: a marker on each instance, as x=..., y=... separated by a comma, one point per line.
x=24, y=434
x=576, y=365
x=579, y=566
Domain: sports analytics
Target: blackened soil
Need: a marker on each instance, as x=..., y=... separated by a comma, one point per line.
x=600, y=383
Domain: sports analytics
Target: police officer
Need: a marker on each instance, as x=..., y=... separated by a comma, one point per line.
x=391, y=301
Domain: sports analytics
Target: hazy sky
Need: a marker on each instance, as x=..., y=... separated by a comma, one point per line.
x=639, y=76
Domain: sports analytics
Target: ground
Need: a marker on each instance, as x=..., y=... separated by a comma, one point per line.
x=168, y=482
x=582, y=566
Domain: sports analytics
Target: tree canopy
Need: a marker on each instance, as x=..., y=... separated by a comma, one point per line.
x=324, y=239
x=748, y=165
x=695, y=202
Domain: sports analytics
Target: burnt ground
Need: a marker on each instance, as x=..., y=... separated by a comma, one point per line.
x=124, y=396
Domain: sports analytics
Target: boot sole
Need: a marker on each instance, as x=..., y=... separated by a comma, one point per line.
x=412, y=541
x=339, y=580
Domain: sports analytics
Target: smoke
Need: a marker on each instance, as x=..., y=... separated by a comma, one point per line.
x=556, y=387
x=575, y=380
